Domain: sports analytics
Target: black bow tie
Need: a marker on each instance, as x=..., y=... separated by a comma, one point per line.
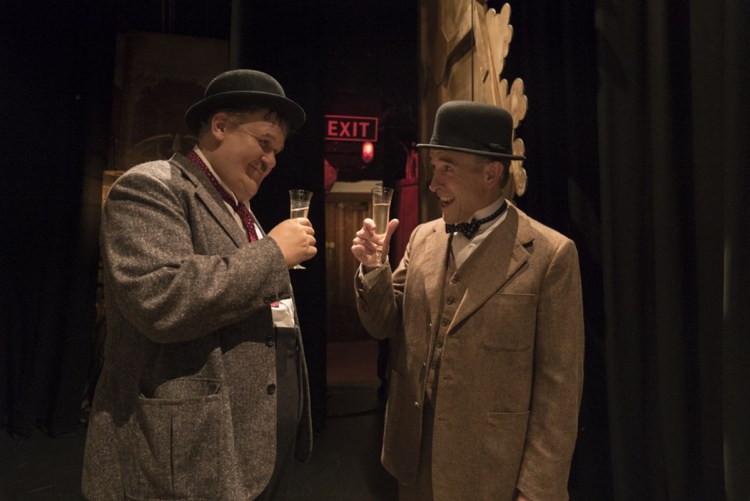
x=470, y=229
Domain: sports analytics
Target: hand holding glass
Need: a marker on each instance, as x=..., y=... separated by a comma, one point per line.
x=381, y=209
x=299, y=206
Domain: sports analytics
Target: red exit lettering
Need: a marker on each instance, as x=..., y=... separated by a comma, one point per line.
x=350, y=128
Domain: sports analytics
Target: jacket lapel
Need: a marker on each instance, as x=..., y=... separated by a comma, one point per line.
x=497, y=259
x=211, y=199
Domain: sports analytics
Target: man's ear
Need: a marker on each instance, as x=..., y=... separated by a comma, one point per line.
x=219, y=125
x=493, y=171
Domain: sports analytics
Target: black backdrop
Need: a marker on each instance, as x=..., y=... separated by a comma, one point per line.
x=637, y=147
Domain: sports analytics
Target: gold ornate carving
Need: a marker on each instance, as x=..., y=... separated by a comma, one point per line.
x=464, y=46
x=493, y=34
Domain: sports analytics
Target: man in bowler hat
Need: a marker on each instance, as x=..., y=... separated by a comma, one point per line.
x=486, y=309
x=204, y=391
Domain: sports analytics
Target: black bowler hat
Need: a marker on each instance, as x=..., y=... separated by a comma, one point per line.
x=471, y=127
x=236, y=89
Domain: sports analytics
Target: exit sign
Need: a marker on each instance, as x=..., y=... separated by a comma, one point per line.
x=350, y=128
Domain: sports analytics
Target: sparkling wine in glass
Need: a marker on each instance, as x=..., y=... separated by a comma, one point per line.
x=299, y=206
x=298, y=212
x=381, y=208
x=299, y=203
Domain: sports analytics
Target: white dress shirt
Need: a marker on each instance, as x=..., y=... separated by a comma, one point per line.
x=462, y=247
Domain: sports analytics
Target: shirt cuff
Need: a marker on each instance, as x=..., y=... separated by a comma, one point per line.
x=369, y=278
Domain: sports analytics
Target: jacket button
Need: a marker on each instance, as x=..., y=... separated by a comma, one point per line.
x=269, y=341
x=439, y=344
x=269, y=299
x=454, y=280
x=416, y=404
x=271, y=389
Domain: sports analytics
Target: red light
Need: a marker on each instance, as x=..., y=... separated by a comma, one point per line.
x=368, y=152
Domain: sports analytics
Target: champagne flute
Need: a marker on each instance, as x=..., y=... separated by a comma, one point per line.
x=381, y=209
x=299, y=206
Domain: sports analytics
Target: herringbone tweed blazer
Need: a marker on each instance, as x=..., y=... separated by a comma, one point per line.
x=511, y=370
x=185, y=407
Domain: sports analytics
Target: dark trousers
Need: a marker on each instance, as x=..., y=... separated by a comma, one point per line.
x=288, y=412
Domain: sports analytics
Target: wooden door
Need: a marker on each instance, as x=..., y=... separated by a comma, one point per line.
x=344, y=215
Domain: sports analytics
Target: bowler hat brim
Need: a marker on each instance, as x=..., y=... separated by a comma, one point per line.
x=483, y=153
x=291, y=112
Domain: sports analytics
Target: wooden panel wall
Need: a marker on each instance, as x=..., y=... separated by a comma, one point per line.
x=344, y=215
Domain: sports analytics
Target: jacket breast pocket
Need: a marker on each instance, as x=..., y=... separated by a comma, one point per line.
x=174, y=441
x=509, y=322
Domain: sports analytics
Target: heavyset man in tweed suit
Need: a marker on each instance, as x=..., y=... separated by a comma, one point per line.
x=486, y=308
x=204, y=391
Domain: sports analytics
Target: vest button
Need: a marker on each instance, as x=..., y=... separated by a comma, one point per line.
x=416, y=404
x=444, y=322
x=271, y=389
x=450, y=300
x=439, y=344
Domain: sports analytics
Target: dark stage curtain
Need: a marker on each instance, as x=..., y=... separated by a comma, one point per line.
x=637, y=148
x=673, y=154
x=56, y=98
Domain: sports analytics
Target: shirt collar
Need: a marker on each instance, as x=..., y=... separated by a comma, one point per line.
x=484, y=213
x=488, y=210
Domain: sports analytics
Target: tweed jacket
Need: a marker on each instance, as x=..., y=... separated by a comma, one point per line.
x=511, y=369
x=185, y=407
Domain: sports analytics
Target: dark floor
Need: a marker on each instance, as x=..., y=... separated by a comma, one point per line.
x=345, y=465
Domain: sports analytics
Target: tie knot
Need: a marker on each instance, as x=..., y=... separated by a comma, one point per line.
x=471, y=228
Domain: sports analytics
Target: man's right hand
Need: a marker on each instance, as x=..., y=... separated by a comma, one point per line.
x=295, y=239
x=364, y=245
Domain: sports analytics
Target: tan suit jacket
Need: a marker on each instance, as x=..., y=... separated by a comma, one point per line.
x=185, y=407
x=511, y=370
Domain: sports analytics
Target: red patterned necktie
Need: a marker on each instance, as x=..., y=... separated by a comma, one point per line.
x=239, y=208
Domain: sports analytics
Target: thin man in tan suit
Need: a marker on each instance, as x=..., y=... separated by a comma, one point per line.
x=486, y=309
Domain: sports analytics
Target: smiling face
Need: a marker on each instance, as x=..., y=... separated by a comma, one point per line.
x=242, y=148
x=464, y=183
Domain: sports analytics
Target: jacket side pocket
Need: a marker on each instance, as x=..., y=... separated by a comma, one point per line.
x=175, y=442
